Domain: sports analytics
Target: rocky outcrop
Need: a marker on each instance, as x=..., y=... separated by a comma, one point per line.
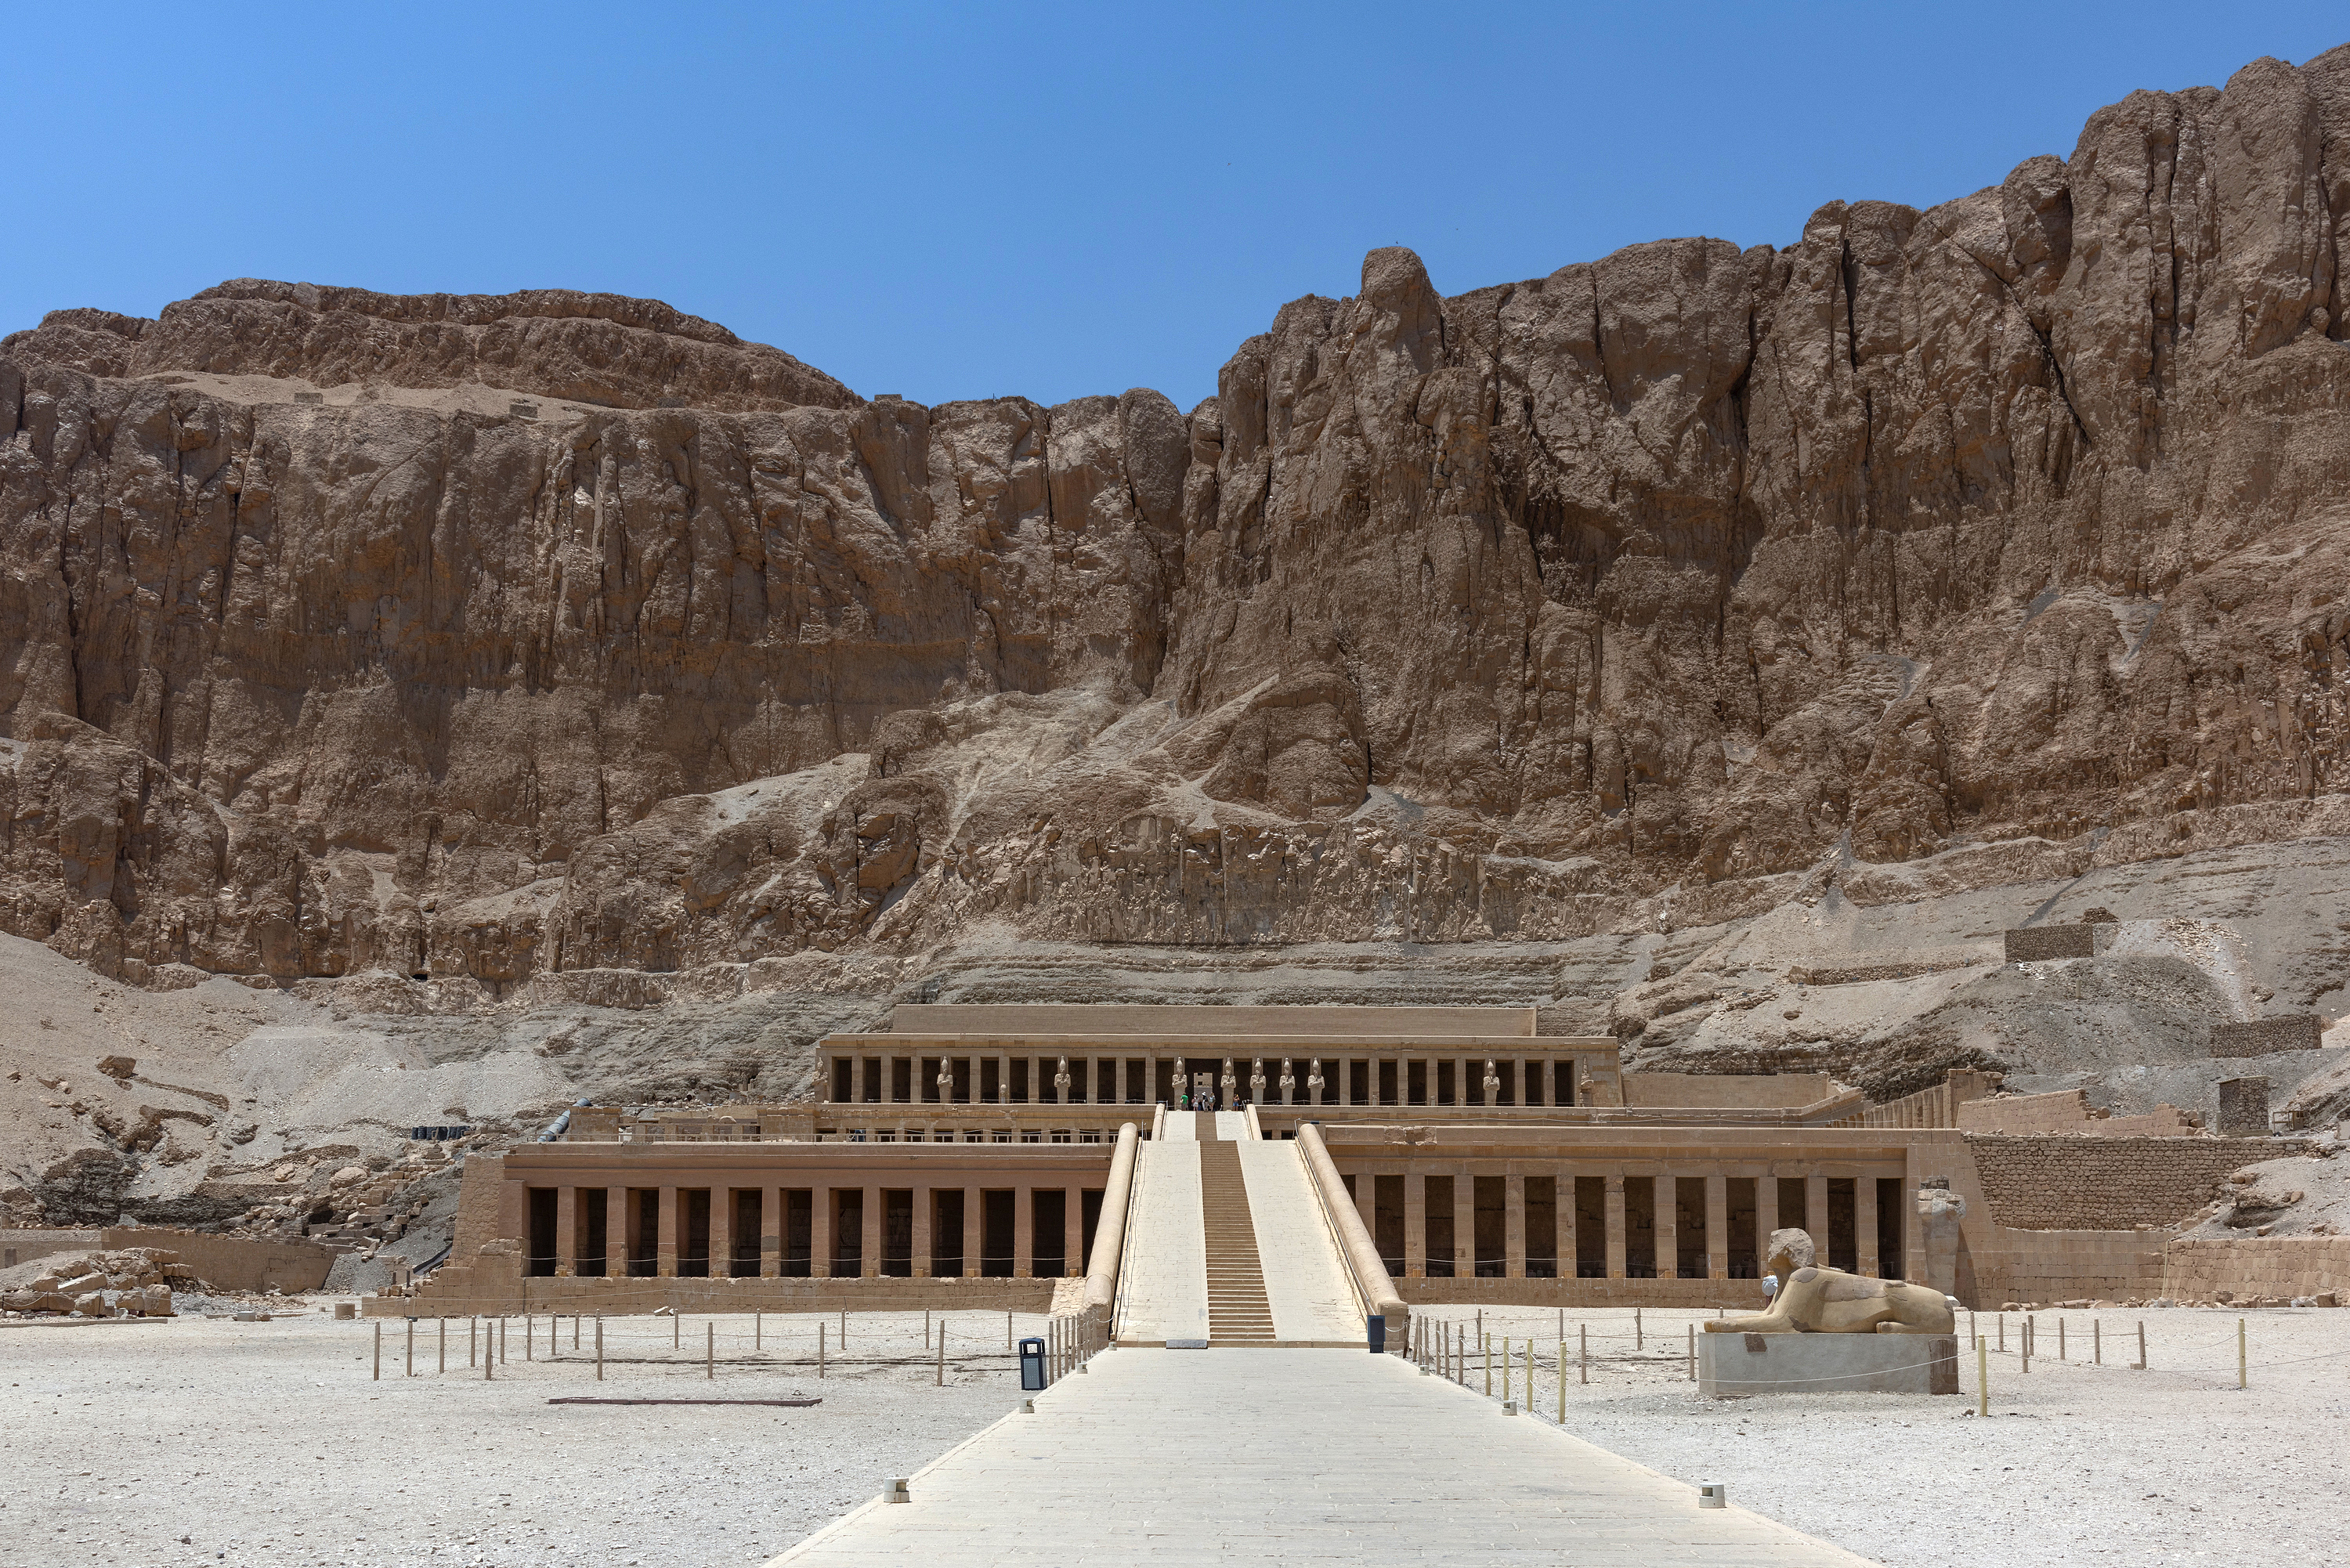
x=1649, y=593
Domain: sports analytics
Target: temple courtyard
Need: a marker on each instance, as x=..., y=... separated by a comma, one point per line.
x=205, y=1440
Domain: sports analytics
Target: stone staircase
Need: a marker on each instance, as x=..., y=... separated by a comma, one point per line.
x=1238, y=1313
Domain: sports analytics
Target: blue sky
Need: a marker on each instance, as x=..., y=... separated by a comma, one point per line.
x=951, y=201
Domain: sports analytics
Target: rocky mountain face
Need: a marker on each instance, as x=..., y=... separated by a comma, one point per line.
x=442, y=652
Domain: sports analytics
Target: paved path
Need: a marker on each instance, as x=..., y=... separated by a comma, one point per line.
x=1224, y=1455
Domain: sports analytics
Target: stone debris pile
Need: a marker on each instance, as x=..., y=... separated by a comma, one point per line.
x=133, y=1283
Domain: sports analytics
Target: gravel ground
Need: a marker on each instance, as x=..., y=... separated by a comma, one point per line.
x=203, y=1441
x=270, y=1444
x=2078, y=1464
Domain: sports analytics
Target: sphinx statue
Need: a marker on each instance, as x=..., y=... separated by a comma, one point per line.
x=1816, y=1300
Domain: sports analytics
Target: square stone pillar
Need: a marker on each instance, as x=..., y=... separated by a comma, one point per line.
x=1864, y=1225
x=1766, y=1216
x=1464, y=1224
x=1614, y=1215
x=665, y=1243
x=1815, y=1214
x=1717, y=1227
x=616, y=1232
x=721, y=1232
x=1668, y=1230
x=1514, y=1227
x=566, y=1233
x=925, y=1213
x=1415, y=1226
x=1564, y=1216
x=1024, y=1232
x=820, y=1213
x=974, y=1232
x=870, y=1264
x=857, y=1080
x=1073, y=1232
x=771, y=1232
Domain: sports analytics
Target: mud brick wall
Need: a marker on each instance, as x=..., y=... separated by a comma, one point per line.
x=2296, y=1032
x=2252, y=1267
x=2064, y=1183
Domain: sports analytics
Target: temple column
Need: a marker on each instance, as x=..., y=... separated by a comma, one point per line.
x=1024, y=1232
x=1072, y=1232
x=1815, y=1214
x=1864, y=1224
x=1514, y=1227
x=1615, y=1223
x=665, y=1239
x=974, y=1232
x=1766, y=1215
x=857, y=1080
x=566, y=1233
x=1464, y=1224
x=616, y=1232
x=1717, y=1227
x=721, y=1232
x=820, y=1211
x=1563, y=1214
x=1415, y=1226
x=1667, y=1215
x=925, y=1213
x=868, y=1265
x=771, y=1232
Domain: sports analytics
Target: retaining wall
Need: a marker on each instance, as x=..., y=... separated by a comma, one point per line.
x=2088, y=1183
x=2198, y=1268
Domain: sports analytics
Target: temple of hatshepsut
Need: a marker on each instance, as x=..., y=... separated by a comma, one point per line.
x=1352, y=1157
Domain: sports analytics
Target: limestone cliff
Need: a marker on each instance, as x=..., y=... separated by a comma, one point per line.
x=471, y=642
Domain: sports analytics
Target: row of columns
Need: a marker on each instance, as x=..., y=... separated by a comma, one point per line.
x=1462, y=1081
x=1666, y=1222
x=823, y=1206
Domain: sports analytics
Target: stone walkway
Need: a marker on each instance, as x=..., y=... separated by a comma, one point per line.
x=1218, y=1456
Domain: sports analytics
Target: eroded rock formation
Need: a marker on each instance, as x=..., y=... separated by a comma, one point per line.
x=1627, y=597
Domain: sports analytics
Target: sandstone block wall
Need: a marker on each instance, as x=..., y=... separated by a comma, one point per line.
x=2064, y=1265
x=2198, y=1268
x=24, y=1246
x=233, y=1262
x=2035, y=944
x=2088, y=1183
x=2295, y=1031
x=2068, y=1111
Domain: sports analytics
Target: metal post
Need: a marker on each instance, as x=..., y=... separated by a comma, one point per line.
x=2096, y=1343
x=2239, y=1353
x=2060, y=1339
x=1982, y=1375
x=444, y=1345
x=2023, y=1344
x=575, y=1331
x=599, y=1350
x=1505, y=1369
x=755, y=1330
x=821, y=1330
x=710, y=1352
x=502, y=1339
x=675, y=1320
x=472, y=1332
x=2141, y=1344
x=489, y=1362
x=926, y=1328
x=1007, y=1333
x=844, y=1328
x=941, y=1379
x=2002, y=1333
x=1692, y=1352
x=377, y=1376
x=529, y=1336
x=410, y=1370
x=1562, y=1377
x=1486, y=1344
x=1583, y=1331
x=1640, y=1338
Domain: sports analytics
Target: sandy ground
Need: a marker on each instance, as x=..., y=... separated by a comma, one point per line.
x=202, y=1440
x=2078, y=1464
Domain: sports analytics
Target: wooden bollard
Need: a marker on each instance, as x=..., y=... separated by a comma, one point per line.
x=2023, y=1344
x=2060, y=1340
x=1692, y=1352
x=2241, y=1368
x=1639, y=1333
x=444, y=1345
x=755, y=1330
x=529, y=1337
x=599, y=1350
x=410, y=1369
x=1983, y=1376
x=377, y=1376
x=820, y=1329
x=710, y=1352
x=941, y=1379
x=1562, y=1375
x=2141, y=1344
x=473, y=1336
x=2096, y=1343
x=1586, y=1335
x=502, y=1340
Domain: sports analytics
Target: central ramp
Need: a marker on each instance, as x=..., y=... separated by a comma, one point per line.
x=1217, y=1456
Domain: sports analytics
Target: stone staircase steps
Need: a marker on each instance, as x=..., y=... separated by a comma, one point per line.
x=1238, y=1312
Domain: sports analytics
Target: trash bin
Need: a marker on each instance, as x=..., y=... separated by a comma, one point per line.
x=1379, y=1330
x=1032, y=1365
